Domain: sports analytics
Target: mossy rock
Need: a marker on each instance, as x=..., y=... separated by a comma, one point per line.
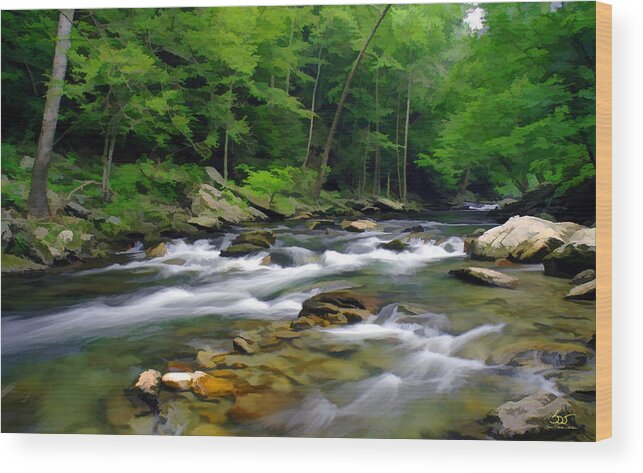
x=16, y=264
x=395, y=245
x=260, y=238
x=569, y=260
x=243, y=249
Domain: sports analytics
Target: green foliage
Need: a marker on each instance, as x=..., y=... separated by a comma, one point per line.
x=497, y=109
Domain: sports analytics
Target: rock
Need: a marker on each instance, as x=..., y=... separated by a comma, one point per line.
x=321, y=224
x=205, y=221
x=388, y=205
x=504, y=262
x=569, y=260
x=114, y=220
x=584, y=236
x=209, y=387
x=27, y=162
x=253, y=406
x=175, y=262
x=215, y=175
x=261, y=238
x=178, y=367
x=234, y=251
x=334, y=308
x=242, y=345
x=543, y=359
x=16, y=264
x=583, y=277
x=584, y=292
x=415, y=229
x=266, y=260
x=148, y=382
x=504, y=202
x=522, y=239
x=546, y=216
x=40, y=233
x=358, y=225
x=158, y=251
x=65, y=236
x=147, y=388
x=540, y=415
x=76, y=210
x=426, y=237
x=178, y=381
x=211, y=202
x=394, y=245
x=484, y=276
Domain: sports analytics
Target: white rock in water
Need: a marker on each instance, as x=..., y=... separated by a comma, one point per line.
x=179, y=381
x=484, y=276
x=524, y=239
x=148, y=382
x=66, y=236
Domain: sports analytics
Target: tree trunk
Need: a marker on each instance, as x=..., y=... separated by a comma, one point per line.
x=37, y=203
x=338, y=112
x=312, y=109
x=225, y=155
x=292, y=35
x=397, y=147
x=368, y=136
x=406, y=139
x=376, y=167
x=107, y=166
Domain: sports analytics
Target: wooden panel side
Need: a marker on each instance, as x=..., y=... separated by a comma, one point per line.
x=603, y=221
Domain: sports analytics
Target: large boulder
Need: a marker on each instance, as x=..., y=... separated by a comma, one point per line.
x=485, y=277
x=522, y=239
x=583, y=292
x=569, y=260
x=540, y=415
x=211, y=202
x=334, y=308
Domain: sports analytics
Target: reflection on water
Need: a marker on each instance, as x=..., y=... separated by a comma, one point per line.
x=73, y=340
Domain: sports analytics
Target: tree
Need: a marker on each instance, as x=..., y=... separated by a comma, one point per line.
x=37, y=202
x=338, y=112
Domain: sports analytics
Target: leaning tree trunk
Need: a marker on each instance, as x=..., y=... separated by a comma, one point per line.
x=225, y=154
x=338, y=112
x=406, y=139
x=37, y=203
x=312, y=109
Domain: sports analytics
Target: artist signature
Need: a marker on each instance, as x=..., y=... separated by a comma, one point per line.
x=562, y=421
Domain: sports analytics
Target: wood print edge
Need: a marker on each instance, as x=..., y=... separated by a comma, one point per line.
x=603, y=221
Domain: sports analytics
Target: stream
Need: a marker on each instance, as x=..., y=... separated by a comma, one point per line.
x=73, y=339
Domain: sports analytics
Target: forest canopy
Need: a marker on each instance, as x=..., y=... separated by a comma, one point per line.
x=450, y=101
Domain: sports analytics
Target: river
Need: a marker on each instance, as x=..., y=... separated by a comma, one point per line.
x=73, y=339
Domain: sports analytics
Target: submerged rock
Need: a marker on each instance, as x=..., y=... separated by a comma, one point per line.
x=523, y=239
x=358, y=225
x=539, y=415
x=334, y=308
x=584, y=292
x=394, y=245
x=158, y=251
x=570, y=260
x=542, y=359
x=207, y=386
x=242, y=345
x=484, y=276
x=415, y=229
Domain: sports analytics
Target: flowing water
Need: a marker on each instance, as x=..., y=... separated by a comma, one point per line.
x=74, y=339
